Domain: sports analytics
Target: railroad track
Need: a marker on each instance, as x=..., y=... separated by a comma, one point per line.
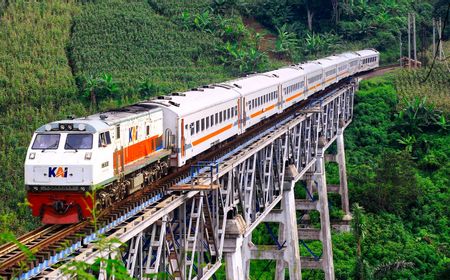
x=49, y=240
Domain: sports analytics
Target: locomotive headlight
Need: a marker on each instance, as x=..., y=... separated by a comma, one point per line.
x=32, y=155
x=48, y=127
x=88, y=156
x=81, y=126
x=62, y=126
x=69, y=126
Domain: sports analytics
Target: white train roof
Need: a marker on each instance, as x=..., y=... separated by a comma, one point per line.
x=325, y=62
x=337, y=59
x=309, y=67
x=365, y=53
x=349, y=55
x=186, y=103
x=288, y=73
x=254, y=83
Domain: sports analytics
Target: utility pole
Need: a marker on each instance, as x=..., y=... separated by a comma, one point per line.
x=414, y=39
x=440, y=39
x=409, y=40
x=434, y=37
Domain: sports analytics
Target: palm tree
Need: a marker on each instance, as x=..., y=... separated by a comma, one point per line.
x=89, y=90
x=100, y=88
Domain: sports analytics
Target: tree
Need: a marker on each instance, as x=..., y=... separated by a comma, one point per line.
x=100, y=88
x=359, y=232
x=286, y=43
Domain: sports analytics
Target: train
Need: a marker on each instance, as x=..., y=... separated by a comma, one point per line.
x=119, y=151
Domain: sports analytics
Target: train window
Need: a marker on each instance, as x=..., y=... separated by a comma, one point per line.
x=207, y=122
x=197, y=126
x=82, y=141
x=212, y=120
x=118, y=132
x=217, y=118
x=203, y=124
x=235, y=110
x=228, y=114
x=192, y=128
x=232, y=112
x=46, y=141
x=104, y=139
x=220, y=117
x=253, y=103
x=148, y=130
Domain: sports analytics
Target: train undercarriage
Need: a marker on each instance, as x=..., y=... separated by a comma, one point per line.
x=72, y=204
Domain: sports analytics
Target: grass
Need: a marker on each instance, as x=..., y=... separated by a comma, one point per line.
x=133, y=43
x=436, y=90
x=36, y=86
x=177, y=7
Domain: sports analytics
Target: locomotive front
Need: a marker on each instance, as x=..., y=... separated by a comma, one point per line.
x=59, y=170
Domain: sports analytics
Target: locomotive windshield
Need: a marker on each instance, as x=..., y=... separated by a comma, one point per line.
x=78, y=142
x=46, y=141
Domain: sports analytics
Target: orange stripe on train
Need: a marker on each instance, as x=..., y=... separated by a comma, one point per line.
x=262, y=111
x=215, y=133
x=136, y=151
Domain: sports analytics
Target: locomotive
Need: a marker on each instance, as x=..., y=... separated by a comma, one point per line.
x=119, y=151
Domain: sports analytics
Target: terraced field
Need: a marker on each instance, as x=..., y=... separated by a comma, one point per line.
x=134, y=44
x=36, y=86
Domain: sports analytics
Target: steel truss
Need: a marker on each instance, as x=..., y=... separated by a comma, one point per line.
x=188, y=235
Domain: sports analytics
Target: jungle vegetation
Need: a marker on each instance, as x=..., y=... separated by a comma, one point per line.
x=74, y=57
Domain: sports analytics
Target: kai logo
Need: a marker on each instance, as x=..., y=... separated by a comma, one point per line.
x=57, y=172
x=132, y=133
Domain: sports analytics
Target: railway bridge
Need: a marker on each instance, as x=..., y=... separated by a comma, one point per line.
x=205, y=220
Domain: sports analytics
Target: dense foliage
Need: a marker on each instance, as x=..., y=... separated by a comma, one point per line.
x=36, y=86
x=131, y=42
x=403, y=187
x=323, y=26
x=410, y=84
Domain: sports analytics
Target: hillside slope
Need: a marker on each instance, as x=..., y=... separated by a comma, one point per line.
x=134, y=44
x=36, y=86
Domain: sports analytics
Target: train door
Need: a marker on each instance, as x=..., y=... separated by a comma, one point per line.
x=244, y=113
x=118, y=158
x=280, y=97
x=239, y=115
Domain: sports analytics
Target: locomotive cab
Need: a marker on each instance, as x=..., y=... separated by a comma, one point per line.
x=59, y=169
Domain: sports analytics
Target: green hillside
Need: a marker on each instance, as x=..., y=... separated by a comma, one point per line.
x=36, y=86
x=133, y=43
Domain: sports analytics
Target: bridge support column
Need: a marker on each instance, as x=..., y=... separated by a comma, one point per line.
x=343, y=190
x=290, y=228
x=325, y=228
x=235, y=261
